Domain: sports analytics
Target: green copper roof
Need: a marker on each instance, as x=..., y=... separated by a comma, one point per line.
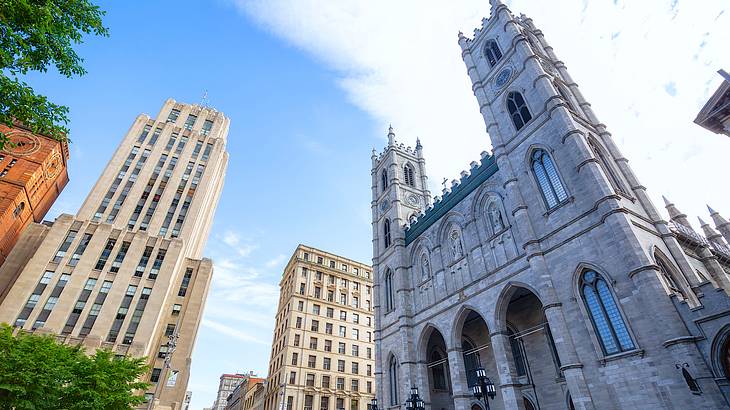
x=469, y=183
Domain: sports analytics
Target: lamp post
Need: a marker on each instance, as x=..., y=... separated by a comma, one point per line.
x=171, y=346
x=484, y=389
x=414, y=402
x=374, y=404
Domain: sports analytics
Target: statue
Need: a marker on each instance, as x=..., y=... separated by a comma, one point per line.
x=457, y=249
x=425, y=267
x=495, y=217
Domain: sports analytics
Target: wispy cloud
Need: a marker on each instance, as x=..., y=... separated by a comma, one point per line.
x=235, y=332
x=400, y=62
x=233, y=240
x=276, y=261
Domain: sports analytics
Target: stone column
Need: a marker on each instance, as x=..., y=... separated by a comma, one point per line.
x=508, y=385
x=571, y=366
x=460, y=390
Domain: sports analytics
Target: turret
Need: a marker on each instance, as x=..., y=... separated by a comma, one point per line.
x=711, y=234
x=721, y=223
x=675, y=215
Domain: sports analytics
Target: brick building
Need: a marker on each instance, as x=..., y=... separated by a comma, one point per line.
x=32, y=174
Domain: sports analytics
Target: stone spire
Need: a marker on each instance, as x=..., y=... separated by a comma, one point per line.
x=721, y=223
x=391, y=136
x=711, y=234
x=674, y=214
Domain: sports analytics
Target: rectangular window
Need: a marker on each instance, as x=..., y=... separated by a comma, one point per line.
x=330, y=312
x=313, y=343
x=155, y=377
x=143, y=135
x=326, y=363
x=341, y=348
x=299, y=322
x=327, y=345
x=355, y=350
x=206, y=152
x=207, y=126
x=158, y=263
x=105, y=286
x=176, y=308
x=343, y=331
x=300, y=306
x=343, y=315
x=105, y=254
x=90, y=283
x=328, y=328
x=120, y=257
x=340, y=386
x=369, y=370
x=355, y=387
x=170, y=329
x=315, y=309
x=155, y=136
x=80, y=249
x=190, y=121
x=340, y=365
x=32, y=301
x=70, y=236
x=355, y=318
x=355, y=368
x=315, y=326
x=369, y=353
x=355, y=334
x=174, y=113
x=326, y=385
x=296, y=340
x=142, y=265
x=312, y=362
x=185, y=282
x=294, y=358
x=171, y=141
x=292, y=378
x=46, y=278
x=319, y=260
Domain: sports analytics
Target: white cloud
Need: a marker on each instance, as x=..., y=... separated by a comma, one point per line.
x=276, y=261
x=647, y=68
x=233, y=239
x=233, y=332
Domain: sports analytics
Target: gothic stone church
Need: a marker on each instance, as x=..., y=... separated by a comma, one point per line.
x=546, y=263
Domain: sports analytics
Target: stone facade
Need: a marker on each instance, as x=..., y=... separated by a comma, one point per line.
x=126, y=272
x=228, y=384
x=322, y=355
x=33, y=173
x=546, y=263
x=715, y=115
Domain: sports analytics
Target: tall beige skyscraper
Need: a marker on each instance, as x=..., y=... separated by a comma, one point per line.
x=125, y=272
x=322, y=355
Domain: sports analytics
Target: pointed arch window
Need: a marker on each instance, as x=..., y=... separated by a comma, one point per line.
x=389, y=299
x=518, y=110
x=471, y=362
x=384, y=179
x=393, y=381
x=517, y=352
x=438, y=370
x=386, y=233
x=607, y=320
x=547, y=177
x=606, y=166
x=667, y=275
x=408, y=175
x=492, y=52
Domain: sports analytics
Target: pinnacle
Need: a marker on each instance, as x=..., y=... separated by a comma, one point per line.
x=702, y=223
x=712, y=211
x=666, y=201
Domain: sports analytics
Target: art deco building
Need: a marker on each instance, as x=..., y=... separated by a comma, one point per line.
x=322, y=355
x=125, y=272
x=32, y=175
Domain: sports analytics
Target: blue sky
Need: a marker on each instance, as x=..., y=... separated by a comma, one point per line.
x=310, y=87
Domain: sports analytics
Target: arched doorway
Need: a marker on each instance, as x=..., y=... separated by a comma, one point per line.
x=471, y=331
x=725, y=357
x=439, y=377
x=536, y=361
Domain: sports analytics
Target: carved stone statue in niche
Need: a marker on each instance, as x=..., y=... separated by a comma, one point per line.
x=495, y=218
x=425, y=267
x=457, y=249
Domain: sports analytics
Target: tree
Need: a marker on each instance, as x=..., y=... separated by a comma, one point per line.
x=38, y=373
x=36, y=34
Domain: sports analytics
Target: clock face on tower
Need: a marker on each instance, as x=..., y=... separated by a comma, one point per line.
x=53, y=166
x=22, y=143
x=413, y=200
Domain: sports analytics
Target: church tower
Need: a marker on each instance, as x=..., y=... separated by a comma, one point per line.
x=400, y=195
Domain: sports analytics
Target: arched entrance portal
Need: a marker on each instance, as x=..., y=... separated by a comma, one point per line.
x=476, y=351
x=536, y=361
x=439, y=377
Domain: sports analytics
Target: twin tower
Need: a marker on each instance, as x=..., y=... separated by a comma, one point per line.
x=546, y=264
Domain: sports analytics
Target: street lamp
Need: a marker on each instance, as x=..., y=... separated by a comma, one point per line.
x=374, y=404
x=415, y=402
x=484, y=389
x=171, y=346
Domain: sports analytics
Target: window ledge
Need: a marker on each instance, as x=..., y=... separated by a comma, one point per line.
x=568, y=200
x=617, y=356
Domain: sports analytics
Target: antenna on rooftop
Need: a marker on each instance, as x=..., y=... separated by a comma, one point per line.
x=204, y=102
